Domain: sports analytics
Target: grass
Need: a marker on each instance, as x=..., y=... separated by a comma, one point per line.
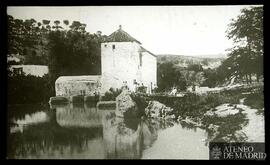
x=255, y=100
x=227, y=128
x=196, y=106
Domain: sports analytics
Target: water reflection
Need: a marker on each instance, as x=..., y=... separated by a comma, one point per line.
x=77, y=131
x=78, y=115
x=119, y=140
x=82, y=131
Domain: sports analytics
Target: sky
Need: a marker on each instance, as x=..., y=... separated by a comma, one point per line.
x=179, y=30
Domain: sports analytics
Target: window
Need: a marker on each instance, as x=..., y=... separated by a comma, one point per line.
x=140, y=59
x=113, y=46
x=105, y=45
x=82, y=92
x=18, y=71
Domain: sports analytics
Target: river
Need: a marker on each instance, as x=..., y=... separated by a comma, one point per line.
x=84, y=132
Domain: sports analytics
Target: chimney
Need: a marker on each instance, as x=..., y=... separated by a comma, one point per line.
x=120, y=27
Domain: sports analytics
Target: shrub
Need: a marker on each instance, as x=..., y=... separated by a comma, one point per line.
x=141, y=89
x=141, y=102
x=28, y=89
x=196, y=105
x=111, y=94
x=255, y=100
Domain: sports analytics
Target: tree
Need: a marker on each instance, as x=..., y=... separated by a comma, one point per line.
x=193, y=78
x=247, y=33
x=74, y=52
x=195, y=67
x=168, y=76
x=66, y=22
x=14, y=31
x=23, y=37
x=56, y=25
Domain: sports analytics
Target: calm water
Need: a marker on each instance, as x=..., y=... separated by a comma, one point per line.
x=84, y=132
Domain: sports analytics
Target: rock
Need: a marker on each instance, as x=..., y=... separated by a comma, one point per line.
x=223, y=110
x=240, y=135
x=209, y=113
x=125, y=106
x=213, y=127
x=156, y=109
x=196, y=122
x=149, y=133
x=58, y=100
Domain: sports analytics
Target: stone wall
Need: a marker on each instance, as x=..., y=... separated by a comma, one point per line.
x=121, y=65
x=77, y=85
x=35, y=70
x=149, y=71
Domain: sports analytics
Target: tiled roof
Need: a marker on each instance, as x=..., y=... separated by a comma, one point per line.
x=145, y=50
x=121, y=36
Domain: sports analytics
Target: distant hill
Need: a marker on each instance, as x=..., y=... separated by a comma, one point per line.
x=184, y=61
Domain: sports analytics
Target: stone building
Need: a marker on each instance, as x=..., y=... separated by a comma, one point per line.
x=124, y=62
x=34, y=70
x=77, y=85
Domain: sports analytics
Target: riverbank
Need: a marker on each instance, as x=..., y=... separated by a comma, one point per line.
x=228, y=116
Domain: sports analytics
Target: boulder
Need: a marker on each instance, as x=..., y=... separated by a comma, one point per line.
x=125, y=106
x=149, y=133
x=223, y=110
x=58, y=100
x=156, y=109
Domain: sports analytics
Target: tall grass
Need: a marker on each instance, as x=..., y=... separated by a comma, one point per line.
x=255, y=100
x=196, y=105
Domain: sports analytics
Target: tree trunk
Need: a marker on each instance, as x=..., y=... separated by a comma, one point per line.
x=257, y=77
x=246, y=78
x=250, y=80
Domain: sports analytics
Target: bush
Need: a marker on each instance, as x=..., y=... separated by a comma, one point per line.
x=227, y=126
x=255, y=100
x=111, y=94
x=141, y=102
x=141, y=89
x=196, y=105
x=28, y=89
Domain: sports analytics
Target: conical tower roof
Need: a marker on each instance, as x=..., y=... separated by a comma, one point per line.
x=120, y=36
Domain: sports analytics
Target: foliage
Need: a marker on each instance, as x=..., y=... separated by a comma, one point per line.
x=171, y=75
x=69, y=51
x=28, y=89
x=214, y=77
x=141, y=102
x=74, y=52
x=255, y=100
x=27, y=38
x=228, y=125
x=168, y=76
x=196, y=105
x=195, y=68
x=246, y=57
x=142, y=89
x=192, y=77
x=111, y=94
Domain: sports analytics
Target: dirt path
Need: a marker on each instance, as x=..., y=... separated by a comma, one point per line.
x=254, y=130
